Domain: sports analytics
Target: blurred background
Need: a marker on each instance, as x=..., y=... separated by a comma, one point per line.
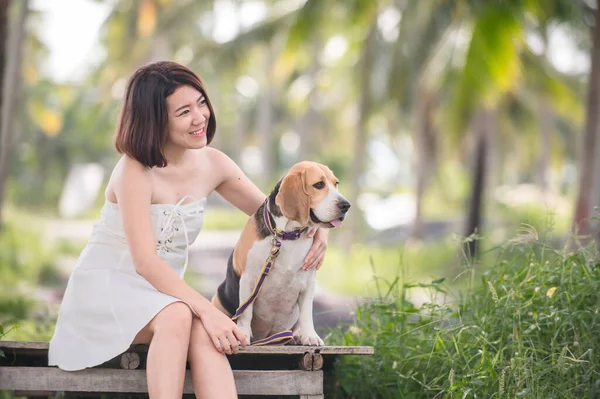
x=452, y=125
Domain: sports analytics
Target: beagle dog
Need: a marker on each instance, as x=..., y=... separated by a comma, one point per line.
x=307, y=196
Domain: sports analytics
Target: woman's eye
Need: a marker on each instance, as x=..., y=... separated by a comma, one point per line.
x=202, y=101
x=319, y=185
x=187, y=111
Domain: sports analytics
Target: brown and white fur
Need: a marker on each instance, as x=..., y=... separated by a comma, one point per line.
x=306, y=196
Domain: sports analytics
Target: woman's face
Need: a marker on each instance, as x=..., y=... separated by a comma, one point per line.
x=188, y=118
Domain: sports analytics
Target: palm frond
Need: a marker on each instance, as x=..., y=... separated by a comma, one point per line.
x=492, y=65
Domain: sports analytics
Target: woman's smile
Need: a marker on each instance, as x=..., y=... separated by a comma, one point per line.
x=198, y=133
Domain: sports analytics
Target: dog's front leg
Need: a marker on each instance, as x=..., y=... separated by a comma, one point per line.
x=304, y=330
x=244, y=322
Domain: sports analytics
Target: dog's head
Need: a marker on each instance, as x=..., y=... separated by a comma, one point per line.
x=308, y=194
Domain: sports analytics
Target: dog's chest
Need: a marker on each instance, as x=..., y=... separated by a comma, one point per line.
x=286, y=279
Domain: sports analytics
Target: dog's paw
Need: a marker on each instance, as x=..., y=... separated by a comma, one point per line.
x=310, y=338
x=247, y=333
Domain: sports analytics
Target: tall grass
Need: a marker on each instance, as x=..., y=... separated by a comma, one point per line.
x=25, y=265
x=351, y=273
x=527, y=325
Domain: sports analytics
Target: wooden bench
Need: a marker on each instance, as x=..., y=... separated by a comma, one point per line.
x=264, y=371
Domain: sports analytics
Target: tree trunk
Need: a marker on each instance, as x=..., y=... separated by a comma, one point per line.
x=10, y=94
x=240, y=130
x=586, y=176
x=306, y=124
x=265, y=123
x=360, y=139
x=483, y=131
x=3, y=44
x=4, y=9
x=425, y=143
x=546, y=121
x=546, y=124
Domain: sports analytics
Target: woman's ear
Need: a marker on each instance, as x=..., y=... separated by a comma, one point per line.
x=292, y=199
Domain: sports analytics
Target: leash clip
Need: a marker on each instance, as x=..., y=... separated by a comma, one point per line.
x=276, y=246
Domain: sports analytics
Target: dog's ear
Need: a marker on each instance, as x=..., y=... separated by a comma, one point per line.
x=293, y=199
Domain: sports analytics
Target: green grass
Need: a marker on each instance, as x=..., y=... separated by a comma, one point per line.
x=23, y=257
x=352, y=273
x=25, y=264
x=525, y=324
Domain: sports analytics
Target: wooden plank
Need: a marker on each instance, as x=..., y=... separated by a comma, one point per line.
x=34, y=394
x=345, y=350
x=24, y=345
x=281, y=382
x=274, y=350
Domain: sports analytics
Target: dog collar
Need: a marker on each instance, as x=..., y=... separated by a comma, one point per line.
x=284, y=235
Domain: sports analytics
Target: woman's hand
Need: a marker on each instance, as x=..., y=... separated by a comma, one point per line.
x=223, y=331
x=316, y=254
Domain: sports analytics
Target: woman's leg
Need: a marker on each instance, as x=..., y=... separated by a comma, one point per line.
x=211, y=373
x=169, y=337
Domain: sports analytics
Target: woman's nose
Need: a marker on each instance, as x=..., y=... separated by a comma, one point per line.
x=200, y=116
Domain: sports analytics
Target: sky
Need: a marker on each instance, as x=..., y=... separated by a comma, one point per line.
x=70, y=30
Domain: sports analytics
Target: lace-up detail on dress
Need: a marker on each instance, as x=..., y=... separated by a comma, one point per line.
x=168, y=230
x=173, y=222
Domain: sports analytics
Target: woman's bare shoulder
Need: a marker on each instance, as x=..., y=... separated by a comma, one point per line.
x=127, y=171
x=219, y=160
x=214, y=155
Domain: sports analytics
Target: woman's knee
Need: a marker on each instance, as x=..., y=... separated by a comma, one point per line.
x=175, y=319
x=200, y=337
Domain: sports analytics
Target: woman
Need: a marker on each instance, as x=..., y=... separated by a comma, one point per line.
x=127, y=286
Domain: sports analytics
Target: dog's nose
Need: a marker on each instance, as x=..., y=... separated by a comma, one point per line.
x=344, y=206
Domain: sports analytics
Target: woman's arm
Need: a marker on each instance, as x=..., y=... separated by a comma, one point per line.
x=133, y=190
x=236, y=188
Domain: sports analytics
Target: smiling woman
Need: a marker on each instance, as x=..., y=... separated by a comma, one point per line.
x=127, y=286
x=191, y=113
x=168, y=98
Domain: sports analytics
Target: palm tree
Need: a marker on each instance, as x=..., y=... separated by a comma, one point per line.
x=413, y=85
x=361, y=134
x=10, y=96
x=4, y=8
x=3, y=41
x=492, y=68
x=586, y=177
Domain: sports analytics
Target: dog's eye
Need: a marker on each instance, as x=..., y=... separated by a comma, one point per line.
x=319, y=185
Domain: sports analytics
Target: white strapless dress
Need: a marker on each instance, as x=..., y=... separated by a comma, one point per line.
x=107, y=302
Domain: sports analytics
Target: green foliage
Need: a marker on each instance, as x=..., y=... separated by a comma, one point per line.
x=224, y=218
x=492, y=64
x=536, y=216
x=528, y=328
x=353, y=273
x=39, y=329
x=3, y=334
x=25, y=263
x=14, y=308
x=23, y=257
